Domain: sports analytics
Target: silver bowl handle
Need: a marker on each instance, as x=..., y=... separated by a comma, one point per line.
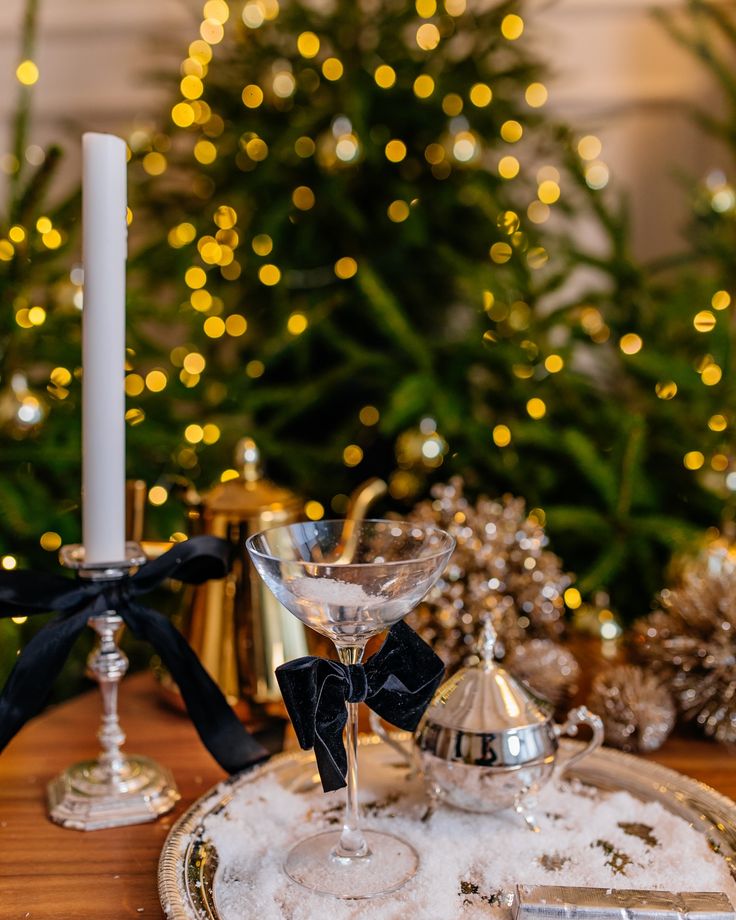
x=581, y=715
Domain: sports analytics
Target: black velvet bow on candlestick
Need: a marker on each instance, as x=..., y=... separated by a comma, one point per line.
x=397, y=683
x=194, y=561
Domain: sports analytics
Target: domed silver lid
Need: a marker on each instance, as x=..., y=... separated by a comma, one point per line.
x=485, y=698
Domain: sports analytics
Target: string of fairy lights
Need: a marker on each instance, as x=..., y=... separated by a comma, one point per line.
x=217, y=249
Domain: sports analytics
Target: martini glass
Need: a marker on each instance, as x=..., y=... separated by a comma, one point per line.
x=349, y=581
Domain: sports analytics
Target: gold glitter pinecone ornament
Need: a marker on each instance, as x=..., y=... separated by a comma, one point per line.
x=691, y=642
x=547, y=667
x=637, y=709
x=501, y=567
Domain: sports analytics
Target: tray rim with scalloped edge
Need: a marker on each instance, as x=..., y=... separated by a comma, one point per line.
x=188, y=862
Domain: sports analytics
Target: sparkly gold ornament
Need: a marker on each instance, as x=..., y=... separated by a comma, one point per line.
x=547, y=667
x=691, y=642
x=637, y=709
x=501, y=567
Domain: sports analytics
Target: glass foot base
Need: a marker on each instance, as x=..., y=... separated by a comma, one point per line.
x=87, y=798
x=389, y=864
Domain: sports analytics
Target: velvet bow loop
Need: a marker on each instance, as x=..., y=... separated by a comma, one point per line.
x=397, y=683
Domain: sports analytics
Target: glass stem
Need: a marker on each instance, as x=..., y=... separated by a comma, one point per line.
x=352, y=843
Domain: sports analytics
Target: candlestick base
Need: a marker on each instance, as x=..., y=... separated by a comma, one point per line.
x=88, y=797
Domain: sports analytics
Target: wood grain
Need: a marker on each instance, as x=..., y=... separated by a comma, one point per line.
x=48, y=873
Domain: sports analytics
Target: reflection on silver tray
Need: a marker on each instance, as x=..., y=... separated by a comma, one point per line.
x=188, y=861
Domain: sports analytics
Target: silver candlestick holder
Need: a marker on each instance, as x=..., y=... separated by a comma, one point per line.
x=115, y=789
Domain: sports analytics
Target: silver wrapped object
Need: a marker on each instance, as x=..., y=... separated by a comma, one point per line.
x=552, y=902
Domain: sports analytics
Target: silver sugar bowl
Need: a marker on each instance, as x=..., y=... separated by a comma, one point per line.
x=487, y=742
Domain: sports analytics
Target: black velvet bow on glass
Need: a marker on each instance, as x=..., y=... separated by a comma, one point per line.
x=397, y=683
x=194, y=561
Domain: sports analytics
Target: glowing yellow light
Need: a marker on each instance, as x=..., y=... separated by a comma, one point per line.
x=214, y=327
x=210, y=433
x=369, y=415
x=481, y=95
x=212, y=31
x=189, y=380
x=134, y=385
x=572, y=598
x=50, y=541
x=693, y=460
x=297, y=323
x=631, y=343
x=191, y=87
x=252, y=96
x=704, y=321
x=257, y=149
x=8, y=562
x=314, y=511
x=195, y=277
x=455, y=7
x=255, y=369
x=43, y=225
x=512, y=27
x=536, y=95
x=332, y=69
x=536, y=408
x=508, y=167
x=428, y=36
x=423, y=86
x=717, y=423
x=157, y=495
x=548, y=192
x=395, y=151
x=434, y=153
x=711, y=375
x=385, y=76
x=308, y=45
x=452, y=104
x=589, y=147
x=719, y=462
x=156, y=381
x=205, y=152
x=181, y=235
x=269, y=274
x=182, y=114
x=511, y=131
x=216, y=9
x=346, y=267
x=666, y=389
x=236, y=325
x=227, y=475
x=500, y=253
x=200, y=51
x=37, y=316
x=553, y=364
x=225, y=217
x=193, y=433
x=262, y=244
x=27, y=73
x=21, y=318
x=352, y=455
x=426, y=8
x=60, y=376
x=194, y=363
x=398, y=211
x=201, y=300
x=303, y=198
x=501, y=436
x=16, y=233
x=719, y=301
x=304, y=147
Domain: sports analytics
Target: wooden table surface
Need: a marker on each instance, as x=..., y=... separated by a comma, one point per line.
x=48, y=873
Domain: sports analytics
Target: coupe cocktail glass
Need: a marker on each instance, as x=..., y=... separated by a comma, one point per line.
x=349, y=582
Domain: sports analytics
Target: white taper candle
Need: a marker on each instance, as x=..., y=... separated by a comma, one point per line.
x=105, y=234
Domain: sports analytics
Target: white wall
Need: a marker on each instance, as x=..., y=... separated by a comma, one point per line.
x=618, y=74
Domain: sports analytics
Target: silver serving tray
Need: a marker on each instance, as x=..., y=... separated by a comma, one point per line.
x=189, y=861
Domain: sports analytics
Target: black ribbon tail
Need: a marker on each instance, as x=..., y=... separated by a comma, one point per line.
x=222, y=733
x=314, y=693
x=403, y=677
x=35, y=670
